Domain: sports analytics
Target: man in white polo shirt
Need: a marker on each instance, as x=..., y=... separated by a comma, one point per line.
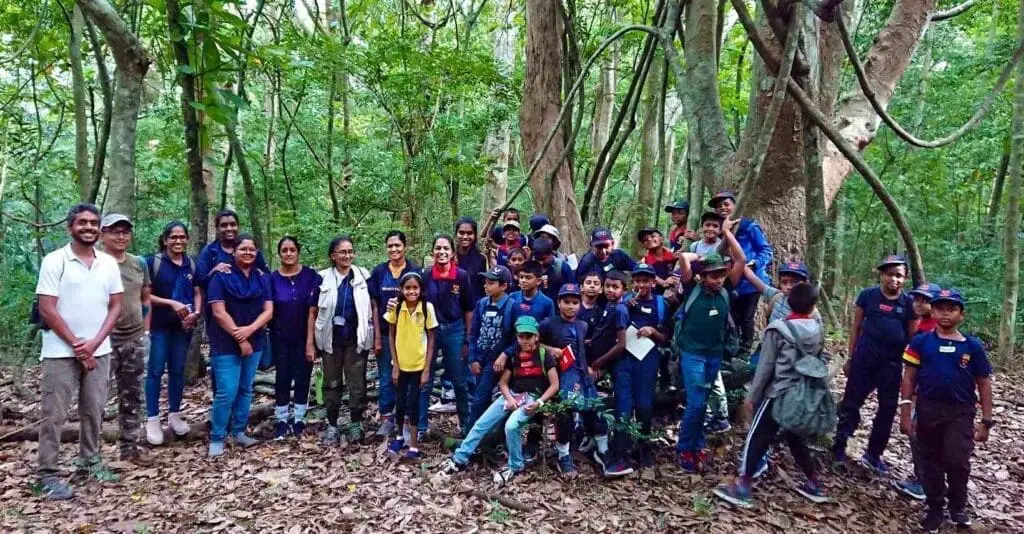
x=79, y=292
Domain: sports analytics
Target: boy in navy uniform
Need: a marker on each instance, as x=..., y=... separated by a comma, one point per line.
x=883, y=324
x=490, y=332
x=529, y=300
x=602, y=257
x=947, y=371
x=555, y=271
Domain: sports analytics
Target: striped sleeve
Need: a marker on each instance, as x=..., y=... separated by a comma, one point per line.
x=912, y=356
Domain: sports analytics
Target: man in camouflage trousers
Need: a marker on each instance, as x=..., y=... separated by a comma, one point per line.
x=130, y=336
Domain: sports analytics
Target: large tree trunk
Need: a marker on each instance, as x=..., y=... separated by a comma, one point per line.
x=499, y=143
x=642, y=211
x=132, y=63
x=78, y=97
x=551, y=184
x=1011, y=233
x=600, y=125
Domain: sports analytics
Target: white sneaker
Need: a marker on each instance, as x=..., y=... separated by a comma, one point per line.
x=177, y=424
x=154, y=432
x=442, y=407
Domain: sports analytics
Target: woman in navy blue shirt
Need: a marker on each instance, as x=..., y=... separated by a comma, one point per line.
x=177, y=304
x=384, y=287
x=448, y=288
x=294, y=288
x=241, y=305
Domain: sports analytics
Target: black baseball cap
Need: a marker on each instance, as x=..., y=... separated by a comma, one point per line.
x=499, y=273
x=642, y=234
x=677, y=205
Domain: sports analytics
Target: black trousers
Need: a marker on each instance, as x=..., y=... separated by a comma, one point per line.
x=945, y=440
x=743, y=308
x=762, y=433
x=408, y=402
x=867, y=375
x=291, y=368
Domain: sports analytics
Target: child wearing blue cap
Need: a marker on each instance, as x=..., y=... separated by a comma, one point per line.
x=946, y=374
x=883, y=324
x=679, y=211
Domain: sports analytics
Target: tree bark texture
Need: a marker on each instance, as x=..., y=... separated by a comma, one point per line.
x=539, y=114
x=600, y=126
x=78, y=97
x=643, y=209
x=1011, y=235
x=498, y=144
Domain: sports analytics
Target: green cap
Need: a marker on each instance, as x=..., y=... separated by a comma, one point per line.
x=527, y=325
x=712, y=262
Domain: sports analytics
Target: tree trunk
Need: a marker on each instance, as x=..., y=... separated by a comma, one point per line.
x=1011, y=235
x=600, y=126
x=995, y=200
x=99, y=156
x=539, y=114
x=251, y=204
x=78, y=97
x=498, y=143
x=643, y=209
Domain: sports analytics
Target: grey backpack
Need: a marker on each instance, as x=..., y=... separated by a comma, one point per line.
x=807, y=409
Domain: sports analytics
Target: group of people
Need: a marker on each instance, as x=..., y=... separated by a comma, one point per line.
x=524, y=332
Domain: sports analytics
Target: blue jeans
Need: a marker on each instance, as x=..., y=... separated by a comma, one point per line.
x=168, y=349
x=234, y=392
x=492, y=417
x=699, y=373
x=634, y=384
x=484, y=391
x=449, y=339
x=387, y=394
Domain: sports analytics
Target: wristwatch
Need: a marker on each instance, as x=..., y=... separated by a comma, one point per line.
x=988, y=423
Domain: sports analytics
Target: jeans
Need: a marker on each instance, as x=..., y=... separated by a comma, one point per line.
x=168, y=349
x=868, y=374
x=386, y=390
x=699, y=373
x=484, y=391
x=235, y=375
x=634, y=384
x=408, y=402
x=492, y=417
x=575, y=386
x=449, y=339
x=291, y=368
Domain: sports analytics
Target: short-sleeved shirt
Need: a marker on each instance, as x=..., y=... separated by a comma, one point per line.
x=618, y=260
x=293, y=297
x=243, y=297
x=644, y=312
x=474, y=263
x=703, y=328
x=663, y=265
x=214, y=253
x=383, y=285
x=557, y=332
x=703, y=248
x=452, y=296
x=83, y=295
x=529, y=373
x=883, y=334
x=411, y=334
x=947, y=368
x=780, y=305
x=611, y=320
x=134, y=277
x=174, y=282
x=590, y=316
x=539, y=307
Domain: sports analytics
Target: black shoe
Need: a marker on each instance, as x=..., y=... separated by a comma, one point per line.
x=932, y=521
x=960, y=518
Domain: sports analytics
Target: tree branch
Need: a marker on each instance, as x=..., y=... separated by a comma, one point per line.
x=953, y=11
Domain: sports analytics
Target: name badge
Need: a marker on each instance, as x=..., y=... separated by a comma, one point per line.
x=713, y=312
x=645, y=309
x=608, y=267
x=492, y=313
x=947, y=349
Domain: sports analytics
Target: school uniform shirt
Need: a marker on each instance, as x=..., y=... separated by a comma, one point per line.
x=674, y=236
x=883, y=334
x=529, y=372
x=557, y=332
x=491, y=329
x=780, y=308
x=611, y=320
x=539, y=307
x=590, y=316
x=450, y=294
x=384, y=287
x=947, y=368
x=618, y=260
x=703, y=248
x=663, y=265
x=174, y=282
x=703, y=328
x=293, y=297
x=555, y=274
x=645, y=313
x=134, y=277
x=243, y=297
x=474, y=263
x=214, y=254
x=411, y=334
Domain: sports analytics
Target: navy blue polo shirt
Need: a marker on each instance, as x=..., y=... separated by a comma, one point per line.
x=557, y=332
x=383, y=287
x=883, y=334
x=618, y=260
x=243, y=297
x=644, y=312
x=171, y=282
x=539, y=307
x=474, y=263
x=611, y=320
x=590, y=316
x=451, y=297
x=213, y=254
x=557, y=273
x=947, y=368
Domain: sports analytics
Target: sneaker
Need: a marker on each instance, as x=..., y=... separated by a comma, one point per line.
x=566, y=467
x=617, y=469
x=53, y=489
x=332, y=436
x=395, y=449
x=588, y=444
x=280, y=430
x=600, y=460
x=875, y=465
x=718, y=426
x=243, y=441
x=412, y=456
x=216, y=449
x=688, y=462
x=761, y=469
x=154, y=432
x=355, y=433
x=139, y=458
x=932, y=521
x=298, y=428
x=386, y=428
x=960, y=518
x=504, y=476
x=734, y=494
x=911, y=488
x=450, y=467
x=813, y=491
x=177, y=424
x=442, y=407
x=838, y=459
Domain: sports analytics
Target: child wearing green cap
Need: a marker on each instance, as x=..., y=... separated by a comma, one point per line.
x=530, y=379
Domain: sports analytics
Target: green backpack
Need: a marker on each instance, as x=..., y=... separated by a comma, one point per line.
x=807, y=409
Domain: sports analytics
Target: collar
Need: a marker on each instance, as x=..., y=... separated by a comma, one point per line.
x=70, y=254
x=795, y=315
x=453, y=272
x=500, y=303
x=666, y=255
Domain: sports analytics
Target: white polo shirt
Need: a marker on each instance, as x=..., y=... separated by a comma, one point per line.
x=83, y=294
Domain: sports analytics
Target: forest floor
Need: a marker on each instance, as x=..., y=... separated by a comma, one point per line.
x=297, y=486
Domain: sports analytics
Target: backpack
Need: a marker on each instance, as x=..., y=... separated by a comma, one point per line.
x=731, y=339
x=36, y=318
x=158, y=260
x=807, y=409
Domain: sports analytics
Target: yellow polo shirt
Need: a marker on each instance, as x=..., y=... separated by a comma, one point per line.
x=411, y=334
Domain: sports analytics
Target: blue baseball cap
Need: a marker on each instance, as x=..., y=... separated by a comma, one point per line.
x=677, y=205
x=642, y=234
x=569, y=290
x=720, y=196
x=542, y=246
x=538, y=221
x=601, y=235
x=890, y=260
x=949, y=295
x=795, y=268
x=927, y=291
x=643, y=269
x=499, y=273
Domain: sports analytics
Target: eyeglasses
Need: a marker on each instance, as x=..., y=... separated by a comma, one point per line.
x=118, y=232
